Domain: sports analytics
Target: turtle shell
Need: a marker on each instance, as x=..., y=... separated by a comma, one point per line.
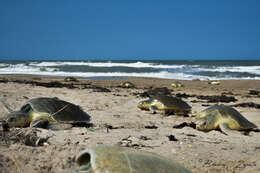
x=104, y=159
x=59, y=110
x=127, y=85
x=229, y=113
x=170, y=102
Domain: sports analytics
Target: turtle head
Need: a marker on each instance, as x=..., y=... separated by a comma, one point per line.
x=144, y=105
x=201, y=124
x=204, y=124
x=19, y=118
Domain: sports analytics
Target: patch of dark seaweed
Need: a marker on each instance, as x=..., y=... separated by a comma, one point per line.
x=154, y=91
x=57, y=84
x=247, y=104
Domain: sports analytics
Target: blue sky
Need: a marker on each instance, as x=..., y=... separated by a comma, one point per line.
x=82, y=29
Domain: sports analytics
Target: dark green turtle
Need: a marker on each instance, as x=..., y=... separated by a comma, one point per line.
x=111, y=159
x=166, y=104
x=47, y=112
x=254, y=91
x=222, y=117
x=127, y=84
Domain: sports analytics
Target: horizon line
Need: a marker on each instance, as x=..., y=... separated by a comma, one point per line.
x=123, y=59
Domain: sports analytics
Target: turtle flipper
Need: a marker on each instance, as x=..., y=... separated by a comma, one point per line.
x=40, y=123
x=226, y=130
x=153, y=109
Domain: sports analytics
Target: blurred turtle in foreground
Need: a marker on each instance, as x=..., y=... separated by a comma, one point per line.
x=47, y=113
x=166, y=104
x=109, y=159
x=222, y=117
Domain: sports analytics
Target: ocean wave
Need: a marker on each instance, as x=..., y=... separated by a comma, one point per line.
x=162, y=74
x=241, y=69
x=107, y=64
x=157, y=70
x=23, y=68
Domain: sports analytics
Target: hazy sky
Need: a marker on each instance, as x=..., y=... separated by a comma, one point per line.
x=110, y=29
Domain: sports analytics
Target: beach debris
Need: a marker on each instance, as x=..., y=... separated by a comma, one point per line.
x=254, y=91
x=104, y=159
x=27, y=136
x=227, y=93
x=5, y=130
x=247, y=104
x=31, y=138
x=100, y=89
x=155, y=91
x=224, y=118
x=127, y=84
x=145, y=138
x=172, y=138
x=111, y=127
x=5, y=126
x=166, y=104
x=151, y=127
x=133, y=142
x=177, y=85
x=70, y=79
x=51, y=113
x=185, y=124
x=210, y=99
x=58, y=84
x=205, y=105
x=216, y=99
x=184, y=95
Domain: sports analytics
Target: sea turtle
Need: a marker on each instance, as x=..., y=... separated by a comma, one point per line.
x=196, y=79
x=43, y=112
x=177, y=85
x=224, y=118
x=167, y=104
x=113, y=159
x=254, y=91
x=70, y=79
x=214, y=82
x=127, y=84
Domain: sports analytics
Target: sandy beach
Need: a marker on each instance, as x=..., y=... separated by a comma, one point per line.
x=117, y=121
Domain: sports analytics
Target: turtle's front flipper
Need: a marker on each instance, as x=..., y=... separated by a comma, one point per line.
x=153, y=109
x=226, y=130
x=40, y=123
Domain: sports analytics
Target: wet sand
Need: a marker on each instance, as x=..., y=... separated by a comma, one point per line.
x=118, y=121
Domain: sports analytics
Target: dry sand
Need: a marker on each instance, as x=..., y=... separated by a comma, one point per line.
x=199, y=151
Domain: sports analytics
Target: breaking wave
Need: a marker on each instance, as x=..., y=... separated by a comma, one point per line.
x=170, y=69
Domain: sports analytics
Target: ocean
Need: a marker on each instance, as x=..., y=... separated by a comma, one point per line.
x=168, y=69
